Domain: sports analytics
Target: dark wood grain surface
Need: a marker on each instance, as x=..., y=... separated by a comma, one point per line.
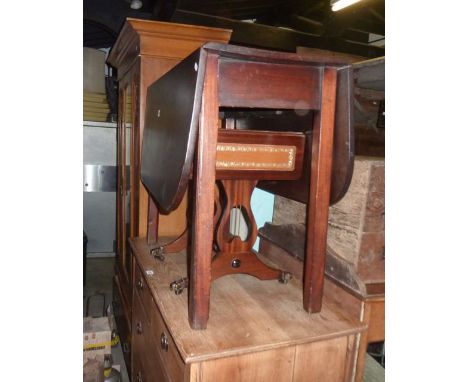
x=173, y=105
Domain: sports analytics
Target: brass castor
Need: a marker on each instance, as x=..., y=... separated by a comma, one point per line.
x=179, y=285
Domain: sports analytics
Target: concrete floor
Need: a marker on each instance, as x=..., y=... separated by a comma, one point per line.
x=99, y=274
x=373, y=372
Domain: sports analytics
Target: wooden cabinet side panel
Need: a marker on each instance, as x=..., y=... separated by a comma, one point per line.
x=169, y=225
x=273, y=366
x=376, y=330
x=374, y=316
x=175, y=223
x=322, y=361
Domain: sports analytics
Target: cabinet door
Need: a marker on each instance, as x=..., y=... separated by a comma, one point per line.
x=125, y=204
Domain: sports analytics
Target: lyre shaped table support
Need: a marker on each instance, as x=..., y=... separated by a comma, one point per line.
x=233, y=254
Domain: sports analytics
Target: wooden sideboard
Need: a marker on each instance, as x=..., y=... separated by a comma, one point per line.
x=258, y=330
x=144, y=51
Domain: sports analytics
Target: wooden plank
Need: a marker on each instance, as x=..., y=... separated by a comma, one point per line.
x=98, y=117
x=328, y=56
x=95, y=107
x=262, y=315
x=269, y=37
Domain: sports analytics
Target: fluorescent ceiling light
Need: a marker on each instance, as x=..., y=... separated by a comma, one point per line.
x=340, y=4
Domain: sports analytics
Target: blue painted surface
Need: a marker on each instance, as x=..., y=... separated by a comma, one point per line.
x=262, y=207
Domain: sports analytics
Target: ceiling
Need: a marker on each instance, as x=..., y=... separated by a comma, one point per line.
x=271, y=24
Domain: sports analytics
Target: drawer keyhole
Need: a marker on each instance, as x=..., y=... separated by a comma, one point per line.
x=139, y=377
x=139, y=328
x=164, y=342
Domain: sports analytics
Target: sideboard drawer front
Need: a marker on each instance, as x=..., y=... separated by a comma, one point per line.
x=139, y=326
x=165, y=347
x=142, y=291
x=145, y=356
x=144, y=372
x=137, y=370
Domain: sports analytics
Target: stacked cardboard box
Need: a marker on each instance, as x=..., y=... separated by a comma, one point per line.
x=97, y=335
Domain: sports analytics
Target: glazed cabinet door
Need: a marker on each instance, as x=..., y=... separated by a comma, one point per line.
x=126, y=189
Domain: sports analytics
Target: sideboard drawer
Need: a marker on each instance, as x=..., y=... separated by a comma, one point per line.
x=142, y=291
x=166, y=348
x=147, y=364
x=279, y=343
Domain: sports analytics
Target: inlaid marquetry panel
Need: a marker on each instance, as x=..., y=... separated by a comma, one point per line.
x=255, y=157
x=259, y=154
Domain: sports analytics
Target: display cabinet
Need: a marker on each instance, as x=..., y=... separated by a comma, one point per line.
x=143, y=52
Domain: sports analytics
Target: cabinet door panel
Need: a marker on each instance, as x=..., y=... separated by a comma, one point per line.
x=125, y=183
x=128, y=174
x=322, y=361
x=274, y=365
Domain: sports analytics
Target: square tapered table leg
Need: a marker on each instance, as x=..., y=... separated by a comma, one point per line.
x=319, y=194
x=204, y=194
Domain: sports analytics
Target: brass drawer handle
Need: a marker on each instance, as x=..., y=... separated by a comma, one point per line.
x=139, y=327
x=139, y=377
x=140, y=284
x=164, y=342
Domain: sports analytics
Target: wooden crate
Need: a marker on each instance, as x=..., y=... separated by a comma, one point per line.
x=356, y=229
